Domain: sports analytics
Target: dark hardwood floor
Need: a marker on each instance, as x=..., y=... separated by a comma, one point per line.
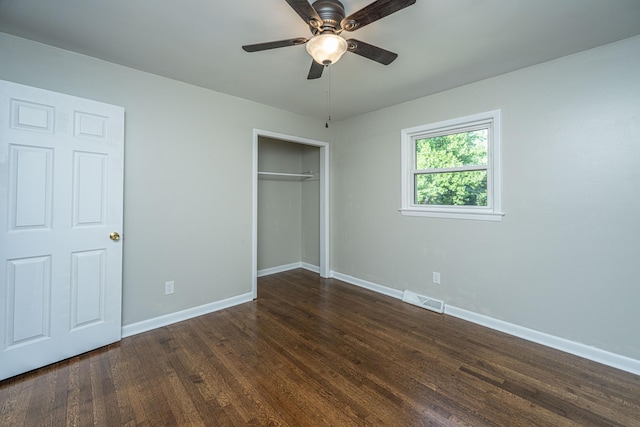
x=318, y=352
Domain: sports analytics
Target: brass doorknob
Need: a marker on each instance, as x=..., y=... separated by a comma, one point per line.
x=114, y=236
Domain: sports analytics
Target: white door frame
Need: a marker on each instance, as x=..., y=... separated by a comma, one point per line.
x=324, y=201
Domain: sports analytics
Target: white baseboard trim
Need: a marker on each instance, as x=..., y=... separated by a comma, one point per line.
x=587, y=352
x=368, y=285
x=287, y=267
x=311, y=267
x=168, y=319
x=279, y=269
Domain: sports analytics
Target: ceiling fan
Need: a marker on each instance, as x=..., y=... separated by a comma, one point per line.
x=326, y=20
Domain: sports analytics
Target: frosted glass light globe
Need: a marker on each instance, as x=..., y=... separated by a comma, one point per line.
x=326, y=48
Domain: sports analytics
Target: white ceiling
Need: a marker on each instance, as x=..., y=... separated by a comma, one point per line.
x=441, y=44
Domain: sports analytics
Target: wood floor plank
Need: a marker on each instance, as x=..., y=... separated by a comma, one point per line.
x=246, y=394
x=14, y=398
x=319, y=352
x=286, y=349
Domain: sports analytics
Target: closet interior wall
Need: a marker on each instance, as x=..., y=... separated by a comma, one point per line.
x=288, y=205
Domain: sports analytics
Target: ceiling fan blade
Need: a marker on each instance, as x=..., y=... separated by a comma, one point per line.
x=316, y=71
x=306, y=12
x=371, y=52
x=376, y=10
x=273, y=45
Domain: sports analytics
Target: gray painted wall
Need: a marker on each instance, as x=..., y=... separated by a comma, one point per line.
x=188, y=174
x=564, y=259
x=288, y=209
x=279, y=205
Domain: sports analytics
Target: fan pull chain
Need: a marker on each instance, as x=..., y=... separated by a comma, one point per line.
x=328, y=112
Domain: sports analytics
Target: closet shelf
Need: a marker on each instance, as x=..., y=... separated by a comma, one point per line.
x=285, y=176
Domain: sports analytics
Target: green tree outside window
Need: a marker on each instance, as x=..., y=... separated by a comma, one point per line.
x=441, y=161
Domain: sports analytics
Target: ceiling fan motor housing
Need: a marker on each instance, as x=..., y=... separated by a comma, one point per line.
x=332, y=13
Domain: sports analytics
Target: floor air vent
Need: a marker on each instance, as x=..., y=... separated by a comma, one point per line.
x=422, y=301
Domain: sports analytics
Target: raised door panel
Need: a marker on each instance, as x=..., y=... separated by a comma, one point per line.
x=28, y=301
x=91, y=126
x=89, y=189
x=30, y=183
x=32, y=116
x=87, y=288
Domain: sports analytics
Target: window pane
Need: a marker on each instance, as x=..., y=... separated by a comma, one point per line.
x=452, y=188
x=454, y=150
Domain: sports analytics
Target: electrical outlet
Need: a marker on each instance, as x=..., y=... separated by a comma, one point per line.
x=436, y=277
x=169, y=287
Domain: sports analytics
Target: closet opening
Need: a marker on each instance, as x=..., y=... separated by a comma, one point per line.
x=290, y=205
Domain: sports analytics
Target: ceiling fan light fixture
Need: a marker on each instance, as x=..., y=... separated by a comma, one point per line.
x=326, y=48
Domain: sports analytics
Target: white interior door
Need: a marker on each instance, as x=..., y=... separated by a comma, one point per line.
x=61, y=178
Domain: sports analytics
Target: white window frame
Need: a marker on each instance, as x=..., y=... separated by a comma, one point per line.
x=491, y=212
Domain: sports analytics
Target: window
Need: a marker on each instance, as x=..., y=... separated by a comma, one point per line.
x=451, y=169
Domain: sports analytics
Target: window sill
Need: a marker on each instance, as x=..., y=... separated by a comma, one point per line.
x=476, y=216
